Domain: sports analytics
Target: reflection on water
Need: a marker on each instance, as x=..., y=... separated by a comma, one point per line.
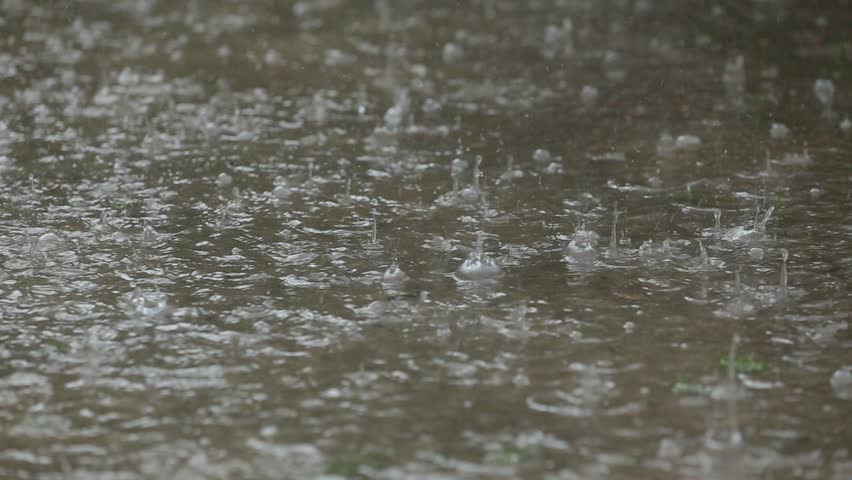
x=375, y=239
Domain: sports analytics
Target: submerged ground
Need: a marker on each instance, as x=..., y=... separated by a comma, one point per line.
x=425, y=239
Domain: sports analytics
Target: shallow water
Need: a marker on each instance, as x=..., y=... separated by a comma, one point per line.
x=235, y=243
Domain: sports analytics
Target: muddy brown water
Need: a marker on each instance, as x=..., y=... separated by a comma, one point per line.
x=201, y=205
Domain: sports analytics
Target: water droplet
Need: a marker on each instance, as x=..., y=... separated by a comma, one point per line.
x=613, y=237
x=779, y=131
x=48, y=241
x=581, y=248
x=665, y=145
x=589, y=95
x=149, y=235
x=452, y=53
x=478, y=265
x=394, y=276
x=734, y=79
x=841, y=382
x=542, y=156
x=687, y=142
x=224, y=180
x=824, y=91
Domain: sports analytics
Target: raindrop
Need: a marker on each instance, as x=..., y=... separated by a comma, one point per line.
x=735, y=437
x=703, y=258
x=613, y=65
x=394, y=276
x=510, y=172
x=224, y=181
x=665, y=145
x=743, y=233
x=738, y=283
x=734, y=80
x=613, y=237
x=799, y=159
x=687, y=142
x=452, y=53
x=396, y=114
x=456, y=171
x=655, y=252
x=581, y=248
x=542, y=156
x=149, y=235
x=589, y=96
x=779, y=131
x=841, y=382
x=478, y=265
x=558, y=39
x=824, y=91
x=472, y=195
x=148, y=305
x=48, y=241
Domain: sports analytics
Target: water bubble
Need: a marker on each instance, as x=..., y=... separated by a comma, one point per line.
x=478, y=265
x=318, y=108
x=394, y=276
x=778, y=131
x=542, y=156
x=473, y=195
x=553, y=36
x=431, y=106
x=457, y=168
x=589, y=95
x=841, y=382
x=395, y=115
x=755, y=253
x=149, y=235
x=581, y=248
x=224, y=180
x=48, y=241
x=846, y=125
x=558, y=40
x=469, y=197
x=665, y=145
x=613, y=65
x=687, y=142
x=452, y=53
x=280, y=191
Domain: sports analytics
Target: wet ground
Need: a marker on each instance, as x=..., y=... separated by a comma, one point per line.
x=425, y=239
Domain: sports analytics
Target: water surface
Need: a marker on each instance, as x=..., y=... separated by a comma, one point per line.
x=425, y=239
